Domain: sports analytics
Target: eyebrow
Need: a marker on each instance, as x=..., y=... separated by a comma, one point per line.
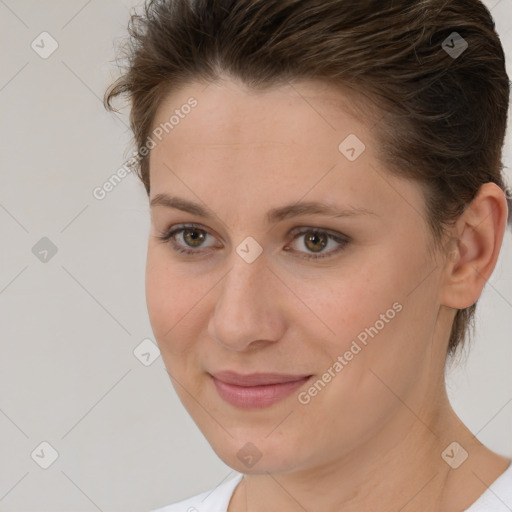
x=275, y=215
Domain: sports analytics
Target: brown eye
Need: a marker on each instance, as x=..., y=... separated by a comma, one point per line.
x=194, y=237
x=316, y=241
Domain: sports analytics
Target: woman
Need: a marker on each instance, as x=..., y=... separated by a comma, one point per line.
x=327, y=205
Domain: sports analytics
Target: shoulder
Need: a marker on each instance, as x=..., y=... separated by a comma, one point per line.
x=498, y=497
x=213, y=500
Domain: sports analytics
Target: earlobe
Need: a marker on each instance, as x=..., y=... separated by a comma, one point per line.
x=474, y=248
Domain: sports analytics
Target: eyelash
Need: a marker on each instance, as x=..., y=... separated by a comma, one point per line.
x=170, y=235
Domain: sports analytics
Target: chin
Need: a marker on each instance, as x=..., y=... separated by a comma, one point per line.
x=253, y=454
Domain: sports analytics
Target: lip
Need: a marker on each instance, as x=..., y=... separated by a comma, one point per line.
x=256, y=390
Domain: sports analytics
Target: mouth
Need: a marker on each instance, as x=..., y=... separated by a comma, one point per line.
x=256, y=390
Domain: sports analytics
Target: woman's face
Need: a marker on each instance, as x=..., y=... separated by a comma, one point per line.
x=351, y=335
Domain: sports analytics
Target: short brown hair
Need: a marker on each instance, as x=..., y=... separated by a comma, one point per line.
x=442, y=118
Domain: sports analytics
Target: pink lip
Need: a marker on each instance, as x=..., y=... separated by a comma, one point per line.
x=257, y=389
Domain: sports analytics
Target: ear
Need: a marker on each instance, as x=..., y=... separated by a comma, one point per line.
x=476, y=243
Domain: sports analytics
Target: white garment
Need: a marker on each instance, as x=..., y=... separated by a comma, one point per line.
x=497, y=498
x=214, y=500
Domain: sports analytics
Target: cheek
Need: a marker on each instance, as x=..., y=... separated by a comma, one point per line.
x=390, y=310
x=353, y=301
x=170, y=299
x=370, y=303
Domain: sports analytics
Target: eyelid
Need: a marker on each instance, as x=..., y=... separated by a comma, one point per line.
x=302, y=229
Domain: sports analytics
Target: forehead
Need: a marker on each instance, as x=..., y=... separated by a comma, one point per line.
x=300, y=124
x=291, y=140
x=237, y=110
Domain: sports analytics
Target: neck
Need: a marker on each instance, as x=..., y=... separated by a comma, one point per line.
x=400, y=468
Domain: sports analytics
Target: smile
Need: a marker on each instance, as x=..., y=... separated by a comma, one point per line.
x=256, y=390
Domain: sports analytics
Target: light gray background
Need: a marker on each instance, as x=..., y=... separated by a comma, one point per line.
x=68, y=374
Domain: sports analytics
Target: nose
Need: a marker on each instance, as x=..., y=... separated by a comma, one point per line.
x=248, y=312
